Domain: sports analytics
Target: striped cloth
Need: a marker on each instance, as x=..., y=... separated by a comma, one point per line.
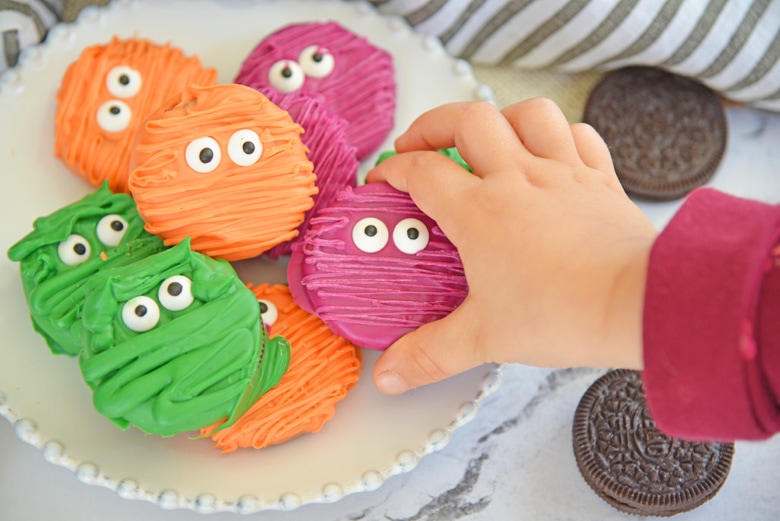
x=732, y=46
x=24, y=23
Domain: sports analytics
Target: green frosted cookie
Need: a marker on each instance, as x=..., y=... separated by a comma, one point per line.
x=175, y=342
x=65, y=249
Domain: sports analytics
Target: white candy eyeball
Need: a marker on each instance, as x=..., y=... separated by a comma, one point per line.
x=410, y=235
x=111, y=229
x=175, y=293
x=74, y=250
x=286, y=76
x=123, y=81
x=114, y=116
x=244, y=147
x=268, y=312
x=203, y=154
x=140, y=314
x=316, y=62
x=370, y=235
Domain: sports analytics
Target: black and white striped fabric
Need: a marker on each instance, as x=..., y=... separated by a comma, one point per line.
x=732, y=46
x=24, y=23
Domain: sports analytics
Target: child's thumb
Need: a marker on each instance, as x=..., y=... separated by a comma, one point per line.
x=433, y=352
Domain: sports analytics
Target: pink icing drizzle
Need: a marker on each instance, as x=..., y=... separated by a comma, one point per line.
x=334, y=158
x=373, y=299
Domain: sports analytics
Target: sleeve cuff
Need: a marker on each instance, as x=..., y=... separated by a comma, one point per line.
x=701, y=365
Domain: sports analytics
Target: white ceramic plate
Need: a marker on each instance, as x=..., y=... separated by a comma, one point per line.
x=372, y=436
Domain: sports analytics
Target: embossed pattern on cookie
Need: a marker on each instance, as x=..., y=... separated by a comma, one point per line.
x=666, y=133
x=630, y=464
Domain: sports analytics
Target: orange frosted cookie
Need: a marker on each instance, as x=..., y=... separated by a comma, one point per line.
x=107, y=93
x=323, y=368
x=224, y=166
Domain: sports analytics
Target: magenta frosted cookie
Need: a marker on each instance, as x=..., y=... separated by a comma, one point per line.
x=333, y=156
x=355, y=78
x=373, y=267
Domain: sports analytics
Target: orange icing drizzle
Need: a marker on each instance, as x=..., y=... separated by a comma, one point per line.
x=323, y=369
x=91, y=152
x=233, y=212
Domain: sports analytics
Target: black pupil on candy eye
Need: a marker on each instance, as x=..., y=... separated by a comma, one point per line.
x=117, y=226
x=370, y=230
x=140, y=310
x=79, y=249
x=413, y=233
x=287, y=72
x=248, y=147
x=263, y=307
x=206, y=155
x=124, y=79
x=317, y=57
x=114, y=110
x=175, y=289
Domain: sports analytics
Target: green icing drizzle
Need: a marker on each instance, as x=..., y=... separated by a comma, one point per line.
x=452, y=153
x=207, y=363
x=53, y=289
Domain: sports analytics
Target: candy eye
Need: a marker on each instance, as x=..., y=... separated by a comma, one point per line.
x=410, y=236
x=203, y=154
x=286, y=76
x=140, y=314
x=268, y=312
x=316, y=62
x=176, y=293
x=111, y=229
x=370, y=235
x=244, y=147
x=123, y=82
x=74, y=250
x=114, y=116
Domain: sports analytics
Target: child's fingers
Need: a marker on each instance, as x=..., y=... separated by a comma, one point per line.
x=431, y=353
x=591, y=148
x=437, y=185
x=481, y=133
x=544, y=130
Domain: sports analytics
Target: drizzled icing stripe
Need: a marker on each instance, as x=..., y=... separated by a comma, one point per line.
x=323, y=368
x=92, y=152
x=361, y=88
x=374, y=298
x=233, y=212
x=333, y=156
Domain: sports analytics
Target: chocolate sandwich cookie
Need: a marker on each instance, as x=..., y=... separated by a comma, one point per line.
x=633, y=466
x=666, y=133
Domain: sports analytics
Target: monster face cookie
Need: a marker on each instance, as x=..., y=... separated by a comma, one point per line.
x=225, y=167
x=323, y=369
x=174, y=343
x=66, y=249
x=373, y=267
x=105, y=96
x=324, y=60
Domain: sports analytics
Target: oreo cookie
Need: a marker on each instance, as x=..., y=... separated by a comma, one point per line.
x=666, y=133
x=630, y=464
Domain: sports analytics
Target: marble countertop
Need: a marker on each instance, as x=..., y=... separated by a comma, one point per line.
x=514, y=460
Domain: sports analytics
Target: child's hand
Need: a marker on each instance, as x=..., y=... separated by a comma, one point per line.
x=554, y=252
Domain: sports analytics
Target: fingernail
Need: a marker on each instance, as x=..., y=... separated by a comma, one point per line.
x=390, y=382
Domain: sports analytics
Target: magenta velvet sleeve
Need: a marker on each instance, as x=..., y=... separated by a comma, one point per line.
x=711, y=324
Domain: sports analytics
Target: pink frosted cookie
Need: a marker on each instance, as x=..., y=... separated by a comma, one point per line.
x=325, y=60
x=333, y=156
x=373, y=267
